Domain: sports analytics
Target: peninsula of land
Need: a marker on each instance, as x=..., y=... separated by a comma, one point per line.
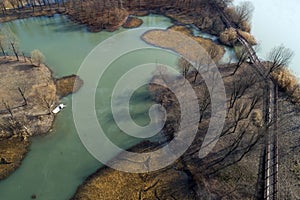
x=28, y=94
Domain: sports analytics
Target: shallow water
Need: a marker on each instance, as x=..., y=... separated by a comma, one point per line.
x=57, y=163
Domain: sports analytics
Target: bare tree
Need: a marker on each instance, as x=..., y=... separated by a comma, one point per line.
x=279, y=57
x=221, y=3
x=242, y=55
x=2, y=4
x=20, y=4
x=213, y=51
x=8, y=108
x=13, y=3
x=22, y=92
x=184, y=66
x=202, y=64
x=244, y=12
x=240, y=85
x=37, y=57
x=33, y=5
x=47, y=103
x=204, y=101
x=12, y=40
x=2, y=43
x=24, y=57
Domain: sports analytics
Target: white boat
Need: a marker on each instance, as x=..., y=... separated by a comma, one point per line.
x=58, y=108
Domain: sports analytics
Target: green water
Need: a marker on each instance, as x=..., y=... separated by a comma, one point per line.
x=58, y=162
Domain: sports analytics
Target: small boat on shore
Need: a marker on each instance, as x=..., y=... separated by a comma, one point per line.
x=58, y=108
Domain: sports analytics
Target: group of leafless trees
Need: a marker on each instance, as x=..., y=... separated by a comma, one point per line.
x=245, y=125
x=107, y=14
x=12, y=125
x=97, y=15
x=14, y=121
x=9, y=44
x=30, y=4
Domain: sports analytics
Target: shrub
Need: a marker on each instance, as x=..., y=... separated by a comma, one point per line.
x=37, y=57
x=289, y=83
x=229, y=36
x=247, y=36
x=256, y=118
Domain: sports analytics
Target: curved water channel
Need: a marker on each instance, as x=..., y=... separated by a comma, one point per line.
x=58, y=162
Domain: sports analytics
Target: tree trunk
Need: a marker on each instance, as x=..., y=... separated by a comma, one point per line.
x=196, y=74
x=23, y=96
x=2, y=49
x=15, y=51
x=24, y=56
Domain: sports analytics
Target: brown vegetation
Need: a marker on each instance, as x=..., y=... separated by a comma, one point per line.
x=229, y=37
x=110, y=15
x=237, y=147
x=111, y=184
x=12, y=153
x=288, y=83
x=97, y=15
x=132, y=22
x=240, y=15
x=68, y=85
x=231, y=165
x=169, y=39
x=27, y=94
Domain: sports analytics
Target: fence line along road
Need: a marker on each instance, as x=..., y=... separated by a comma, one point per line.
x=270, y=116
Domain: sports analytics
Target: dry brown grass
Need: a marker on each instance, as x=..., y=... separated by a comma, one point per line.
x=33, y=118
x=256, y=117
x=67, y=85
x=26, y=119
x=132, y=22
x=247, y=36
x=175, y=39
x=23, y=15
x=229, y=37
x=289, y=83
x=12, y=151
x=109, y=19
x=182, y=18
x=296, y=169
x=110, y=184
x=37, y=83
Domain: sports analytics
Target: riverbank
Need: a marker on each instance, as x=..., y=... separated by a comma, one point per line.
x=230, y=170
x=223, y=177
x=108, y=183
x=205, y=17
x=28, y=94
x=13, y=14
x=189, y=177
x=132, y=22
x=12, y=152
x=194, y=51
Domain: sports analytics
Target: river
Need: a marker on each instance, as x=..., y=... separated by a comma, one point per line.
x=57, y=163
